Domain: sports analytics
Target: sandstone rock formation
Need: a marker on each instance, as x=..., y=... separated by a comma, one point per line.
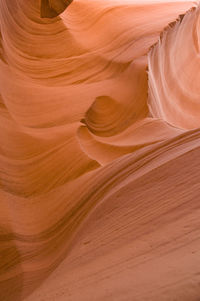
x=53, y=8
x=99, y=153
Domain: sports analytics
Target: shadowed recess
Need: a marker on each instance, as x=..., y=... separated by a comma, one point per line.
x=53, y=8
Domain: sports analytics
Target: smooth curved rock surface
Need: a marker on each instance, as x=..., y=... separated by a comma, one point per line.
x=99, y=158
x=174, y=73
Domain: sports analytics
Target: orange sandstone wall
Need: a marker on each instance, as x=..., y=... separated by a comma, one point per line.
x=99, y=152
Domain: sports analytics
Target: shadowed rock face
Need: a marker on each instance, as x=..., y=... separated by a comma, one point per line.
x=53, y=8
x=99, y=150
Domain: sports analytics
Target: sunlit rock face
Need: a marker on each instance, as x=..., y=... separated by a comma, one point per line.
x=100, y=150
x=174, y=73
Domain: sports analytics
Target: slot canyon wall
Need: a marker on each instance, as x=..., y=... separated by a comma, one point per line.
x=99, y=150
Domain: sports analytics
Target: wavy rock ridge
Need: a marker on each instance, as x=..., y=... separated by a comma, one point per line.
x=99, y=158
